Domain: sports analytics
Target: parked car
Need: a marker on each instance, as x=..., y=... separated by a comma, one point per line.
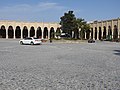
x=65, y=35
x=91, y=41
x=30, y=40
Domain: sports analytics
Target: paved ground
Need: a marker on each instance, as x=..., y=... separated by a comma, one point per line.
x=59, y=66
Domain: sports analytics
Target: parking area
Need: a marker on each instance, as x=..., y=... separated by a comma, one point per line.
x=59, y=66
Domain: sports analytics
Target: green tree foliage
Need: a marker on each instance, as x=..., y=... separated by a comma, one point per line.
x=70, y=23
x=67, y=22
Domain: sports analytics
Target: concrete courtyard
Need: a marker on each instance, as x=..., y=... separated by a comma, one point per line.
x=59, y=66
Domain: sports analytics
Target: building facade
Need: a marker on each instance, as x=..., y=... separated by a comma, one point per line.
x=99, y=29
x=13, y=29
x=105, y=29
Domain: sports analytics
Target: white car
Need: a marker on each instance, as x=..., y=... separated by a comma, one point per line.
x=30, y=40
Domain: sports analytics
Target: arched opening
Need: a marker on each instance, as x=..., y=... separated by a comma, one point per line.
x=109, y=33
x=104, y=32
x=100, y=33
x=17, y=32
x=58, y=32
x=32, y=32
x=39, y=32
x=25, y=32
x=87, y=34
x=115, y=33
x=91, y=33
x=2, y=32
x=52, y=33
x=45, y=33
x=10, y=32
x=95, y=33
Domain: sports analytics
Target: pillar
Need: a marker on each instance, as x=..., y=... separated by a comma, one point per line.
x=112, y=27
x=21, y=32
x=14, y=33
x=6, y=32
x=118, y=23
x=106, y=29
x=102, y=30
x=28, y=31
x=48, y=33
x=42, y=28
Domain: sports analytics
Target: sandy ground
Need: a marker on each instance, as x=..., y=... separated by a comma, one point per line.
x=59, y=66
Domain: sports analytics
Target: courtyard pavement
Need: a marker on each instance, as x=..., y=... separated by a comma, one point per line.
x=59, y=66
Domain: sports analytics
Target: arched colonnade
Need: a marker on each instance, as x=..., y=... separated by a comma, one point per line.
x=105, y=29
x=13, y=29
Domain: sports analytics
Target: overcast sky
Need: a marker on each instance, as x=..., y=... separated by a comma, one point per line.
x=52, y=10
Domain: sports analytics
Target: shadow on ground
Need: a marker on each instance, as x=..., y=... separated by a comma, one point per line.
x=117, y=52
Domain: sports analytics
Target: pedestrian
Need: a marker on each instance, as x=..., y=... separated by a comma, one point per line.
x=50, y=40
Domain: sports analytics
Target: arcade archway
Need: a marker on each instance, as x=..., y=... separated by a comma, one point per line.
x=91, y=33
x=17, y=32
x=95, y=33
x=52, y=33
x=45, y=36
x=39, y=32
x=32, y=32
x=104, y=32
x=10, y=32
x=3, y=32
x=25, y=32
x=100, y=33
x=115, y=32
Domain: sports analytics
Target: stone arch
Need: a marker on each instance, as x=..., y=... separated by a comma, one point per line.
x=115, y=32
x=52, y=32
x=45, y=35
x=58, y=32
x=25, y=32
x=39, y=32
x=104, y=32
x=18, y=32
x=109, y=32
x=95, y=33
x=32, y=32
x=91, y=33
x=10, y=32
x=88, y=34
x=3, y=32
x=100, y=33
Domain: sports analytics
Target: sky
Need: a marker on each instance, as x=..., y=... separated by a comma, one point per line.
x=52, y=10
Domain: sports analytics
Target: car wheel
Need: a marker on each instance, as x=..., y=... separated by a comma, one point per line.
x=21, y=43
x=32, y=43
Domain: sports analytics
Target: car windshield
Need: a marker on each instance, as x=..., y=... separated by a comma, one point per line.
x=28, y=38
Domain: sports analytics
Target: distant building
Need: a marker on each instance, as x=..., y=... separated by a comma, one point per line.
x=13, y=29
x=105, y=29
x=99, y=29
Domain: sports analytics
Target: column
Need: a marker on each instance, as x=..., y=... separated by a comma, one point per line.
x=112, y=27
x=102, y=30
x=118, y=23
x=106, y=29
x=6, y=32
x=35, y=33
x=14, y=32
x=42, y=28
x=21, y=33
x=28, y=31
x=48, y=33
x=93, y=32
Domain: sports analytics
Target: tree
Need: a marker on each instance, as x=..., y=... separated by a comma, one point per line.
x=70, y=23
x=67, y=22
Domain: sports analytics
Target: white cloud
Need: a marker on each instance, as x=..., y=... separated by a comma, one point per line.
x=26, y=12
